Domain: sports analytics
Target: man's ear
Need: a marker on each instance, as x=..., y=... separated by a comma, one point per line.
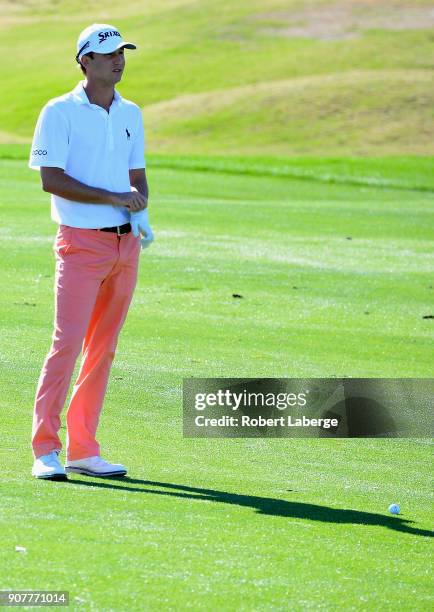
x=85, y=60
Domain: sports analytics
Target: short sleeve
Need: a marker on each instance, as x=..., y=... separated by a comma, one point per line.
x=51, y=140
x=137, y=155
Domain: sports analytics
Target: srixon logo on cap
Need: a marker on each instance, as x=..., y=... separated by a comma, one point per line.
x=104, y=35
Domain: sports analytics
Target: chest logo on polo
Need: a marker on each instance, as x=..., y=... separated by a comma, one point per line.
x=128, y=134
x=104, y=35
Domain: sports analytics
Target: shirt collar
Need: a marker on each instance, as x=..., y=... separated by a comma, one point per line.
x=81, y=96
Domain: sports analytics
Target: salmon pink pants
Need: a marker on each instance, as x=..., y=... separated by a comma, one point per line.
x=96, y=274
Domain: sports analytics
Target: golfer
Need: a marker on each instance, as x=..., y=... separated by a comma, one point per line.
x=89, y=148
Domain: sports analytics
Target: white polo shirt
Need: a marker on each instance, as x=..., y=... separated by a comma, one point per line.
x=95, y=147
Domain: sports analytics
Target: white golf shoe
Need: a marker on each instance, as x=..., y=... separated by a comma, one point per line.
x=95, y=466
x=49, y=467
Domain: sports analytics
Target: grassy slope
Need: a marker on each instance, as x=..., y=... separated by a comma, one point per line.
x=363, y=96
x=161, y=539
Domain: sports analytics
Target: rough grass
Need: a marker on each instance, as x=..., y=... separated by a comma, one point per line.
x=211, y=80
x=327, y=20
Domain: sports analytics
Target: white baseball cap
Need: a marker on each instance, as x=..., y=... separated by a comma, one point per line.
x=101, y=38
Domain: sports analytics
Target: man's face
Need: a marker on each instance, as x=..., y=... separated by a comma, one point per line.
x=106, y=67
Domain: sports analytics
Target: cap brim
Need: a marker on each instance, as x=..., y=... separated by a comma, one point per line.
x=122, y=45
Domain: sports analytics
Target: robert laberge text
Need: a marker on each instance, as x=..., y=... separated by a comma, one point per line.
x=260, y=421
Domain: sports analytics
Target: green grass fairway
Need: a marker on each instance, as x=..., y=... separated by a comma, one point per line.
x=333, y=258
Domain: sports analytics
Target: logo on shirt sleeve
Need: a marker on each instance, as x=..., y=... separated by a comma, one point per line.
x=39, y=152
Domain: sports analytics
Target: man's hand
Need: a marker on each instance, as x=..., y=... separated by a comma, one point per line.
x=133, y=201
x=54, y=180
x=140, y=225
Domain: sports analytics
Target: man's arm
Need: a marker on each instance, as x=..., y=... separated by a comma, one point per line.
x=138, y=181
x=140, y=221
x=54, y=180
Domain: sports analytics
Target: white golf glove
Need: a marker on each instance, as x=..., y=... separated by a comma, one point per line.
x=140, y=225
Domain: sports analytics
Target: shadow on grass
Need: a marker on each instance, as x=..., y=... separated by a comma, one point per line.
x=263, y=505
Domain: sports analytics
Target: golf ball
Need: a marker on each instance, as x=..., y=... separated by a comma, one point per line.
x=394, y=509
